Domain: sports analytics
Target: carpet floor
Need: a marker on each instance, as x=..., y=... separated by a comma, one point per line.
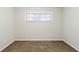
x=39, y=46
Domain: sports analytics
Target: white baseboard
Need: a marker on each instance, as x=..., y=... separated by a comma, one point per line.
x=38, y=39
x=72, y=45
x=6, y=45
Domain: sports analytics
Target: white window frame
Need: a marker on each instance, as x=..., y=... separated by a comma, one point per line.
x=50, y=16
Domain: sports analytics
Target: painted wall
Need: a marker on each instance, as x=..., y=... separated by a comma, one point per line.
x=71, y=26
x=39, y=30
x=6, y=26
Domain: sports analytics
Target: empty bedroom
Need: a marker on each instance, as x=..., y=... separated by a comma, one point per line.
x=39, y=29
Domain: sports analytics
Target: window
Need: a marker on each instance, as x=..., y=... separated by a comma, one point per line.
x=42, y=16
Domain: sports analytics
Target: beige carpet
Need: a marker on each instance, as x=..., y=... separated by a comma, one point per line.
x=39, y=46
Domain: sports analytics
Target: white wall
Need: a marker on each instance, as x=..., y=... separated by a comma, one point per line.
x=6, y=26
x=71, y=26
x=39, y=30
x=69, y=23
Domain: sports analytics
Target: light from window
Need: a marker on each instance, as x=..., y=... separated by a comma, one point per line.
x=38, y=16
